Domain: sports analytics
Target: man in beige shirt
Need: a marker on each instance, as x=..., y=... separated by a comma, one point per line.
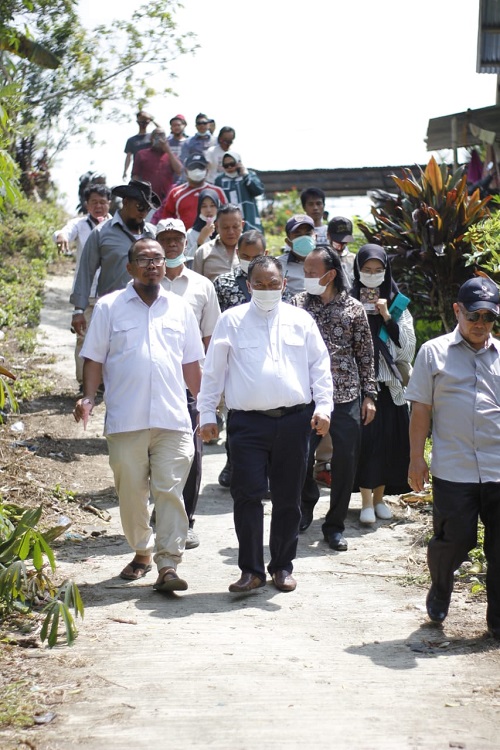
x=219, y=256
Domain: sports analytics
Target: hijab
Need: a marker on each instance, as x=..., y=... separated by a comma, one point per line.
x=388, y=290
x=205, y=193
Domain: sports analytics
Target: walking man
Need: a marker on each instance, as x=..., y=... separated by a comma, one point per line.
x=271, y=362
x=145, y=343
x=455, y=386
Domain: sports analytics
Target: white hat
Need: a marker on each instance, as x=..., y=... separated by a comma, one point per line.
x=171, y=225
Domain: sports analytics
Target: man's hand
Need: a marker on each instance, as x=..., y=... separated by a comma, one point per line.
x=208, y=432
x=368, y=410
x=320, y=423
x=62, y=244
x=79, y=324
x=418, y=474
x=83, y=409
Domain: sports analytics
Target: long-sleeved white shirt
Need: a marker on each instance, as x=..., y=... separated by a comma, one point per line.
x=264, y=361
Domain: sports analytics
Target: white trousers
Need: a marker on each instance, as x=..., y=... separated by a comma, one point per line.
x=157, y=461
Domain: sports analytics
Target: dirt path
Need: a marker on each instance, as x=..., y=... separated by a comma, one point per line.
x=346, y=661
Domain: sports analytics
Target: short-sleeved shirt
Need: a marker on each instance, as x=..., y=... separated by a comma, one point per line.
x=142, y=349
x=200, y=295
x=211, y=259
x=462, y=385
x=136, y=142
x=154, y=167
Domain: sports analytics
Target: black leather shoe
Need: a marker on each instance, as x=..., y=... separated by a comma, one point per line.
x=495, y=633
x=307, y=518
x=225, y=475
x=437, y=609
x=337, y=541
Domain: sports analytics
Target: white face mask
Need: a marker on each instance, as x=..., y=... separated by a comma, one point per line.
x=266, y=299
x=197, y=175
x=244, y=265
x=372, y=280
x=312, y=286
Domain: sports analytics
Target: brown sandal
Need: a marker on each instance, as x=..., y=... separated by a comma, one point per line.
x=170, y=581
x=139, y=570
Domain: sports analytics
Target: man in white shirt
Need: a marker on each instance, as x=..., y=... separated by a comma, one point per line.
x=97, y=199
x=200, y=295
x=144, y=343
x=268, y=360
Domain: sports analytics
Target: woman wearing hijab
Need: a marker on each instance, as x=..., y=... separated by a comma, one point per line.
x=385, y=450
x=203, y=228
x=241, y=186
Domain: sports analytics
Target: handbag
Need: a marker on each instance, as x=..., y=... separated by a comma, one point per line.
x=404, y=369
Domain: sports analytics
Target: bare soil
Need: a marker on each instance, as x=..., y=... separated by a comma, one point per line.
x=349, y=660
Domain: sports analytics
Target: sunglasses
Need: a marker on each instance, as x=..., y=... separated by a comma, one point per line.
x=229, y=164
x=141, y=206
x=473, y=317
x=202, y=122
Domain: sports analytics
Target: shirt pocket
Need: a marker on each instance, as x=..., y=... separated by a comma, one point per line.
x=293, y=344
x=126, y=334
x=172, y=332
x=249, y=349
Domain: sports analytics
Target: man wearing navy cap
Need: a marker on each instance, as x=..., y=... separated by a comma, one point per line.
x=300, y=239
x=455, y=385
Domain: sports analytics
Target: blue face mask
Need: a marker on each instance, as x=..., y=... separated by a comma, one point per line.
x=175, y=262
x=303, y=245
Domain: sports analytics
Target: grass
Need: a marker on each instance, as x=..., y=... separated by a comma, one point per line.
x=18, y=705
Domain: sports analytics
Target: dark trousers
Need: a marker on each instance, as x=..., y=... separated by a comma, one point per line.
x=456, y=508
x=345, y=431
x=266, y=449
x=192, y=486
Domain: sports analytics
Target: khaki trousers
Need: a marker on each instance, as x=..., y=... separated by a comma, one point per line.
x=157, y=461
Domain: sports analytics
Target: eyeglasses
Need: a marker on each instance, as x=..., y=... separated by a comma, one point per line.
x=157, y=260
x=141, y=206
x=473, y=317
x=229, y=164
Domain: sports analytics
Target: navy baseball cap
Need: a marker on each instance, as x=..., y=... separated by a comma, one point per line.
x=297, y=221
x=196, y=160
x=480, y=293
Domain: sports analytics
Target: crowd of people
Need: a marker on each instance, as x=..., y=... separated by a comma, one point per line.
x=181, y=315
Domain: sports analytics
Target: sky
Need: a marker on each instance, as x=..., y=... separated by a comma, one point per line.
x=308, y=84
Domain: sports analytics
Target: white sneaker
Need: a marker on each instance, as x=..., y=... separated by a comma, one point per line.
x=367, y=516
x=192, y=539
x=383, y=511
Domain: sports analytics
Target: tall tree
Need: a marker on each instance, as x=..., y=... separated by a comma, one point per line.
x=103, y=72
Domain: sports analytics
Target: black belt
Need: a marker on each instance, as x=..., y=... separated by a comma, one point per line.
x=281, y=411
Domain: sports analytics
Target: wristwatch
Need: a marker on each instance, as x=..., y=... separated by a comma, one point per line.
x=77, y=311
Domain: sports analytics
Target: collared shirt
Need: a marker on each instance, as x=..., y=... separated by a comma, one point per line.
x=106, y=248
x=200, y=295
x=229, y=289
x=142, y=350
x=346, y=333
x=197, y=144
x=265, y=360
x=294, y=272
x=211, y=259
x=462, y=385
x=77, y=230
